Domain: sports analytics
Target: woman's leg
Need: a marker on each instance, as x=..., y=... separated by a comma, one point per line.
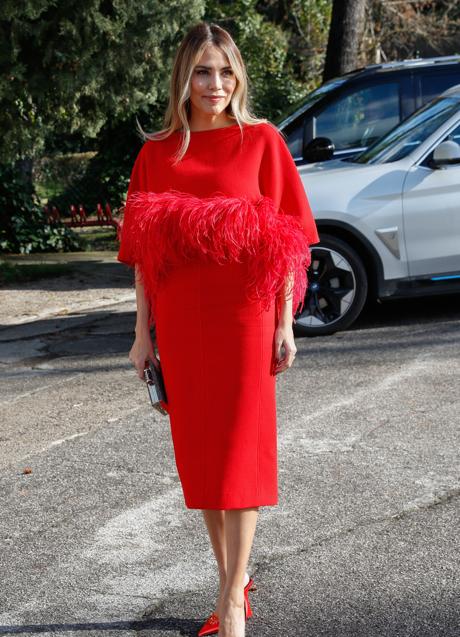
x=240, y=526
x=215, y=523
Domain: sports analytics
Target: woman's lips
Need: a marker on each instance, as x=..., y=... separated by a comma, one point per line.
x=213, y=99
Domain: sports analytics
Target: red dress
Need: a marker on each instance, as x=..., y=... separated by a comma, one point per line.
x=215, y=237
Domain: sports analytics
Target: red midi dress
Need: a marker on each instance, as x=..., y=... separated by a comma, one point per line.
x=214, y=237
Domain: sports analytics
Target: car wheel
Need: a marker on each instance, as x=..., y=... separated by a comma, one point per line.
x=337, y=289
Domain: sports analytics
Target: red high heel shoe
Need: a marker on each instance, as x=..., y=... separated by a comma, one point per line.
x=211, y=625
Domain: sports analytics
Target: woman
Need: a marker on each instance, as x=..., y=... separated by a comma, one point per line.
x=218, y=228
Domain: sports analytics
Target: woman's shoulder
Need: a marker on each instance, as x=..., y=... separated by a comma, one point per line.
x=157, y=139
x=153, y=149
x=265, y=128
x=270, y=134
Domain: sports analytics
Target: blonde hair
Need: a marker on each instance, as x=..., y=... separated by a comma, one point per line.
x=190, y=51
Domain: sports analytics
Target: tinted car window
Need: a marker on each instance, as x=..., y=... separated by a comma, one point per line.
x=360, y=117
x=312, y=97
x=294, y=141
x=433, y=84
x=454, y=136
x=412, y=132
x=295, y=137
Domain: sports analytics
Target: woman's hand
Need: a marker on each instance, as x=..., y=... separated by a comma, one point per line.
x=142, y=351
x=284, y=339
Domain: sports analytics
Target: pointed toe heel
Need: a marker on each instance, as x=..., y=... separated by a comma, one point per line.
x=211, y=625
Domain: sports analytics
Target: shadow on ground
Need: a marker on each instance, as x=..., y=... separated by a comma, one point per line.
x=84, y=274
x=409, y=311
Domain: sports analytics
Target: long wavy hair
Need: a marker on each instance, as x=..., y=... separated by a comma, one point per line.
x=188, y=54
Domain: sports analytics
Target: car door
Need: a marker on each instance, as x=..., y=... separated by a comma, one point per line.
x=431, y=217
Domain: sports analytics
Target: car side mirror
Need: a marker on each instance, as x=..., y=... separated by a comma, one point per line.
x=319, y=149
x=446, y=154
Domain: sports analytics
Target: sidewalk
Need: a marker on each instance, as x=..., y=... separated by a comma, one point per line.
x=97, y=280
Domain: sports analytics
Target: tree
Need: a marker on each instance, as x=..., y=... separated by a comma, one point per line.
x=74, y=69
x=305, y=24
x=279, y=75
x=401, y=30
x=76, y=65
x=345, y=37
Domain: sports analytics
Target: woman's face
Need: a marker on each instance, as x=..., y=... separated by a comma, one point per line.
x=211, y=77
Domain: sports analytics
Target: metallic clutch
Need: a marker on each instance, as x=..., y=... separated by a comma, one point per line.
x=156, y=387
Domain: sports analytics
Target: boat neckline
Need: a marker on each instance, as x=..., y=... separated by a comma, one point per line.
x=214, y=130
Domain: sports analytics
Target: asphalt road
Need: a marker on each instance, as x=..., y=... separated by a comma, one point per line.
x=95, y=537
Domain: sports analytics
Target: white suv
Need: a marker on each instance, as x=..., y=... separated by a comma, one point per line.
x=388, y=219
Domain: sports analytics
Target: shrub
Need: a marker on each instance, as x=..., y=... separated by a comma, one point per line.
x=23, y=225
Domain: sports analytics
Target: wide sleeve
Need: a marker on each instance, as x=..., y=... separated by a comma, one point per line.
x=279, y=179
x=138, y=182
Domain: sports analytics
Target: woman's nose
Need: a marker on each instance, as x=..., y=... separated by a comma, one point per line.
x=215, y=81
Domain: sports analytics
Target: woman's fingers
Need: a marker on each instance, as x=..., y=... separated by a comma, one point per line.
x=143, y=363
x=140, y=366
x=283, y=362
x=155, y=360
x=141, y=352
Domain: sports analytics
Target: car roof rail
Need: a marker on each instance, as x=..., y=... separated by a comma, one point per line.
x=412, y=62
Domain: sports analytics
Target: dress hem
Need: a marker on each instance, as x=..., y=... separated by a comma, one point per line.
x=243, y=505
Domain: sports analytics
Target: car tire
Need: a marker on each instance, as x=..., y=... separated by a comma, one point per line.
x=337, y=289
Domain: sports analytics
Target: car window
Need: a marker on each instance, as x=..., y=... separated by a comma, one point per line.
x=412, y=132
x=360, y=117
x=453, y=136
x=295, y=140
x=308, y=101
x=433, y=84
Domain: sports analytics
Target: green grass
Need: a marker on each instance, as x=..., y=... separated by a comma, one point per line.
x=12, y=273
x=94, y=239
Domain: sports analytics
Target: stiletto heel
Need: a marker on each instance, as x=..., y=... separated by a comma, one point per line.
x=250, y=586
x=211, y=625
x=247, y=606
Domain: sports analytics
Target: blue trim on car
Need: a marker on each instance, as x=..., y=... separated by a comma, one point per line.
x=443, y=278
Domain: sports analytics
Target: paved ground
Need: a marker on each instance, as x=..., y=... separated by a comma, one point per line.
x=96, y=540
x=97, y=281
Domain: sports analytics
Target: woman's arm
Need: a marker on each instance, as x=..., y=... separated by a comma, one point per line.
x=143, y=310
x=142, y=349
x=284, y=335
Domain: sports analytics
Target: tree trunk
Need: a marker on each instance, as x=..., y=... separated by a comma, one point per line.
x=24, y=168
x=345, y=36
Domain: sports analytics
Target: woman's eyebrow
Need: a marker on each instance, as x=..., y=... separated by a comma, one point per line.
x=202, y=66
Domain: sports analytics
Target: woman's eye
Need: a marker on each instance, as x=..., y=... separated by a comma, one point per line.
x=204, y=71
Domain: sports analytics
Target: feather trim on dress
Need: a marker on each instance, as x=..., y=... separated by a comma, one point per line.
x=164, y=228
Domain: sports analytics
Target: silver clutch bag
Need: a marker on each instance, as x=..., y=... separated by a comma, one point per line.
x=156, y=387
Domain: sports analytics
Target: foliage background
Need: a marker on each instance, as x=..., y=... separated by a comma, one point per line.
x=75, y=75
